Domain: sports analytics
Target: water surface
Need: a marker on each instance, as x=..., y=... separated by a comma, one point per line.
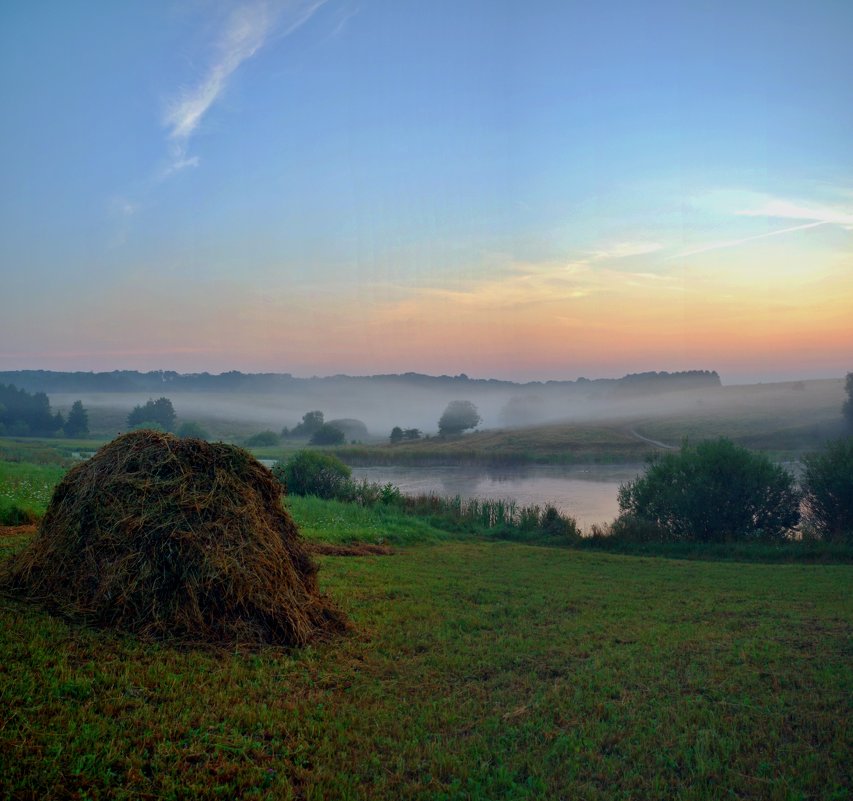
x=588, y=492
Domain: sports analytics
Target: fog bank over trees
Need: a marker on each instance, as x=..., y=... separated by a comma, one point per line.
x=410, y=400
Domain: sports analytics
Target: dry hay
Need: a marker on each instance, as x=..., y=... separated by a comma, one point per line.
x=173, y=537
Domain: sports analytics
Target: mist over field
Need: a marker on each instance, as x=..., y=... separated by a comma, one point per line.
x=383, y=404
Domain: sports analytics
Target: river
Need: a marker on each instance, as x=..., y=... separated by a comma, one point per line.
x=588, y=493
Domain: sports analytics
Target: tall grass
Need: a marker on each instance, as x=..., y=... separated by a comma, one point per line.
x=25, y=491
x=502, y=517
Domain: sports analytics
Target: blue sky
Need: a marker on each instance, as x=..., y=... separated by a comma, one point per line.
x=525, y=190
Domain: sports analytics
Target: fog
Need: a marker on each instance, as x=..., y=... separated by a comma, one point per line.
x=381, y=405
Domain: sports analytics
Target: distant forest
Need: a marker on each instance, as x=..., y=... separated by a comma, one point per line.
x=160, y=381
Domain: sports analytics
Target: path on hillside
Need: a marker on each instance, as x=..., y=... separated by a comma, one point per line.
x=656, y=442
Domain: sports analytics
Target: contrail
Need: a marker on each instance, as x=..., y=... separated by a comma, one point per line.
x=734, y=242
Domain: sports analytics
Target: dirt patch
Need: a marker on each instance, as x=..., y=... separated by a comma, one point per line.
x=328, y=549
x=17, y=531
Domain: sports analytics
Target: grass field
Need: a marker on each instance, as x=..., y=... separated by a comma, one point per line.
x=25, y=490
x=475, y=671
x=548, y=444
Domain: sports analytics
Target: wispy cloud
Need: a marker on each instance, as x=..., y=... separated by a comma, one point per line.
x=180, y=163
x=344, y=15
x=792, y=210
x=546, y=286
x=624, y=250
x=730, y=243
x=811, y=215
x=248, y=28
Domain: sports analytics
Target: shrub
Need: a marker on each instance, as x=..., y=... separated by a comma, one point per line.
x=627, y=528
x=352, y=428
x=827, y=483
x=160, y=411
x=314, y=473
x=713, y=492
x=261, y=439
x=558, y=525
x=13, y=514
x=192, y=430
x=148, y=425
x=327, y=434
x=390, y=494
x=847, y=408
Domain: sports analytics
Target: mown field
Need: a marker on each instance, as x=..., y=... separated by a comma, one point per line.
x=475, y=670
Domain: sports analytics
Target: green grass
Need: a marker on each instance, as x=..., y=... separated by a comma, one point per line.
x=546, y=444
x=25, y=490
x=341, y=523
x=800, y=551
x=475, y=671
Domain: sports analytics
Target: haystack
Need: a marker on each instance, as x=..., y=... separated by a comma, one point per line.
x=173, y=537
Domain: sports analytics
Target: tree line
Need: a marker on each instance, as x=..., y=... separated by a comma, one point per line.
x=24, y=414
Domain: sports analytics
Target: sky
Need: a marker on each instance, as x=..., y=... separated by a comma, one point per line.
x=525, y=190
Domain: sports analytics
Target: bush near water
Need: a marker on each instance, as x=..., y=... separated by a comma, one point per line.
x=828, y=492
x=715, y=491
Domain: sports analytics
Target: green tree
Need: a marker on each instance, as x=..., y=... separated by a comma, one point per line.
x=847, y=408
x=396, y=435
x=77, y=424
x=327, y=434
x=827, y=483
x=262, y=439
x=311, y=421
x=715, y=491
x=314, y=473
x=23, y=414
x=160, y=411
x=459, y=416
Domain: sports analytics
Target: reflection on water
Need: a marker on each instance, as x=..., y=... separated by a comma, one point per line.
x=587, y=493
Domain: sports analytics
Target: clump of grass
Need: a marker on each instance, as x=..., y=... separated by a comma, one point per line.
x=175, y=537
x=497, y=517
x=25, y=491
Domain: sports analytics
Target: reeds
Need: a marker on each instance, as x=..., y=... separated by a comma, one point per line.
x=488, y=513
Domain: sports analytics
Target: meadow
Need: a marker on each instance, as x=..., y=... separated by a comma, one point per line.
x=476, y=669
